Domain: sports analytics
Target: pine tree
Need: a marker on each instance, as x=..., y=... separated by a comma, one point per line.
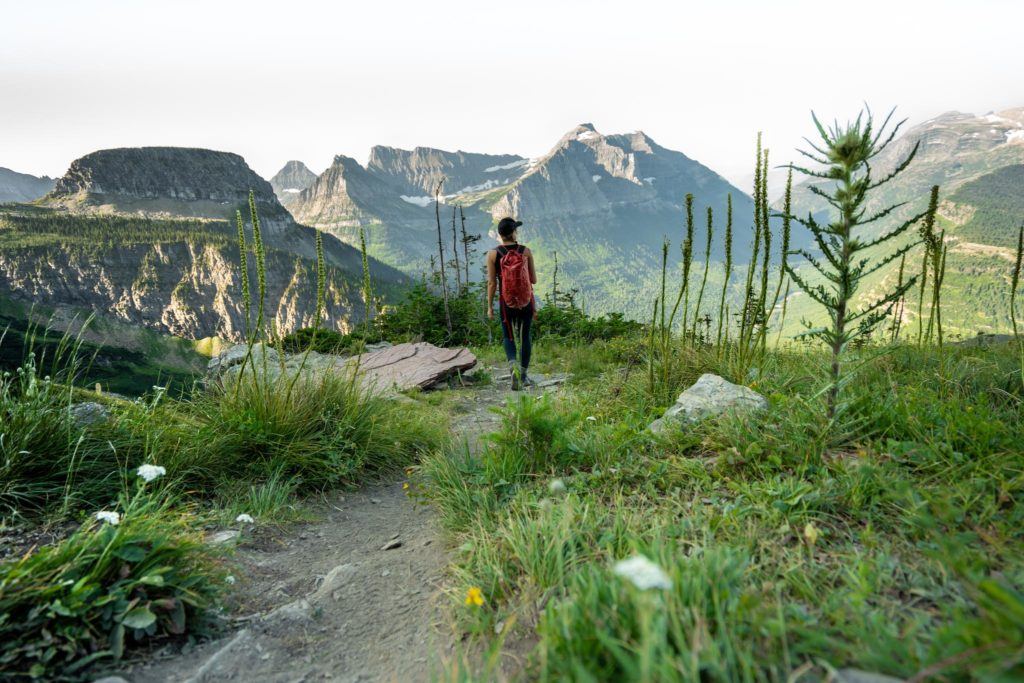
x=846, y=152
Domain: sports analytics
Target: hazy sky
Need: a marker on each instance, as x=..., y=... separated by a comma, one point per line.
x=307, y=80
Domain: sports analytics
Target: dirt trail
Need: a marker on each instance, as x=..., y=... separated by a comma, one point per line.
x=326, y=601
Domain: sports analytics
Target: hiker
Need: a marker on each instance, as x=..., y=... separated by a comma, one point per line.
x=510, y=272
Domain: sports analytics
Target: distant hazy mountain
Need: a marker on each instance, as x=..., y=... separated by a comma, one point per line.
x=148, y=236
x=603, y=203
x=292, y=179
x=22, y=187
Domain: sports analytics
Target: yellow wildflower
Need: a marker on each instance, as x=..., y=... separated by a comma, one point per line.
x=474, y=597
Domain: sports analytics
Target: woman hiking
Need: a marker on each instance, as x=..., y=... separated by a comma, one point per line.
x=510, y=272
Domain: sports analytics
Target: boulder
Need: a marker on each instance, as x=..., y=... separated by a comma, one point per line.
x=710, y=396
x=89, y=413
x=234, y=355
x=409, y=366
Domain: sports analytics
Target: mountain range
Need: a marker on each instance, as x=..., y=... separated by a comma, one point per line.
x=602, y=203
x=146, y=236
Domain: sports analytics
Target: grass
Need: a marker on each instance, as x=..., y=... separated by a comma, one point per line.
x=889, y=542
x=256, y=448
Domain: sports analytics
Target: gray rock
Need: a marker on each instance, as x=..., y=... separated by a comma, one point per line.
x=222, y=537
x=233, y=356
x=89, y=413
x=377, y=346
x=110, y=679
x=858, y=676
x=710, y=396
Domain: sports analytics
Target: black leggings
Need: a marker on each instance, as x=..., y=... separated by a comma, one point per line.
x=515, y=325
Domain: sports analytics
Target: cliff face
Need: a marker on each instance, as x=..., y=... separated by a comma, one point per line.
x=187, y=289
x=22, y=187
x=420, y=170
x=290, y=181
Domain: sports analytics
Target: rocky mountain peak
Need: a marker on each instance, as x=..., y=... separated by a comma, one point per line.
x=22, y=187
x=292, y=179
x=173, y=180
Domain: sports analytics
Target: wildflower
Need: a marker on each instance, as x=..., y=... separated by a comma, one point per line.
x=244, y=519
x=113, y=518
x=643, y=573
x=229, y=579
x=811, y=533
x=151, y=472
x=405, y=486
x=474, y=597
x=591, y=418
x=556, y=487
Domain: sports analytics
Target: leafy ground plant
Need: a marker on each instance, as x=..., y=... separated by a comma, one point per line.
x=130, y=574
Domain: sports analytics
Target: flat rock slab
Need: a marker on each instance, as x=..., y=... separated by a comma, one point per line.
x=409, y=366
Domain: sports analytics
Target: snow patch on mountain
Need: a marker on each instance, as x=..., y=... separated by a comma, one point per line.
x=506, y=167
x=418, y=201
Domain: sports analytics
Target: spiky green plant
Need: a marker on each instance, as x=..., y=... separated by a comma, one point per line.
x=684, y=286
x=455, y=252
x=787, y=222
x=243, y=261
x=936, y=252
x=897, y=318
x=747, y=314
x=1014, y=283
x=367, y=282
x=766, y=234
x=846, y=153
x=440, y=254
x=728, y=269
x=707, y=266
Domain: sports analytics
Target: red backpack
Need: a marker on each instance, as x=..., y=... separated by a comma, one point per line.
x=516, y=290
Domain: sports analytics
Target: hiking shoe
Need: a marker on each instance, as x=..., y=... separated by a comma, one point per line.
x=526, y=382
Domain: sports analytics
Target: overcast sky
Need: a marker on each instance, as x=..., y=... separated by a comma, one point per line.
x=297, y=79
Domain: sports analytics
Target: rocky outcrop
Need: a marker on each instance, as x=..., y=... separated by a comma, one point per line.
x=290, y=181
x=711, y=396
x=22, y=187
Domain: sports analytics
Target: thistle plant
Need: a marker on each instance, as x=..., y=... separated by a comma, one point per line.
x=935, y=252
x=846, y=153
x=707, y=264
x=728, y=269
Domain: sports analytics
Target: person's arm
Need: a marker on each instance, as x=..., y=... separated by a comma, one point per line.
x=492, y=281
x=533, y=271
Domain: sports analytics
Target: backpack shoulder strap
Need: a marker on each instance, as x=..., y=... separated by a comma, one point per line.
x=501, y=250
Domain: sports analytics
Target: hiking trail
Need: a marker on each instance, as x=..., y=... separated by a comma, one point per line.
x=356, y=595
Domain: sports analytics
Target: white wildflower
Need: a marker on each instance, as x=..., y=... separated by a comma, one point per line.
x=591, y=418
x=643, y=573
x=229, y=579
x=244, y=519
x=151, y=472
x=556, y=487
x=109, y=517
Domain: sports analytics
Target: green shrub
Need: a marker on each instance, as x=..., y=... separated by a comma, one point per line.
x=67, y=608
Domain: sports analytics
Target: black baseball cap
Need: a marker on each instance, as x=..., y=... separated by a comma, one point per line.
x=507, y=226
